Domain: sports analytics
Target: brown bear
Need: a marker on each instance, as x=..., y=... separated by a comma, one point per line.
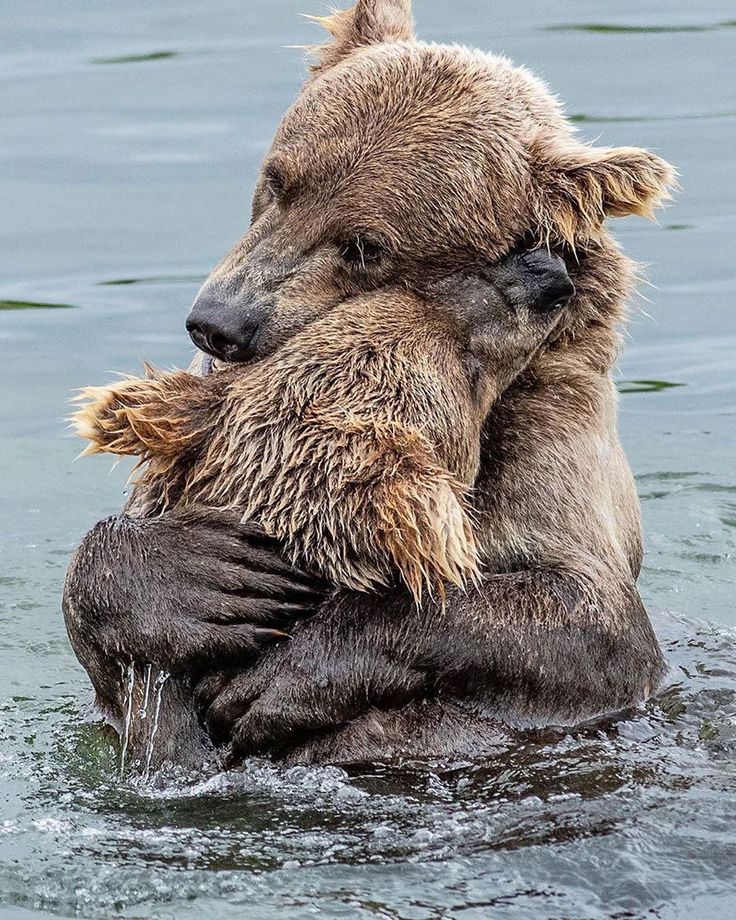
x=355, y=444
x=402, y=163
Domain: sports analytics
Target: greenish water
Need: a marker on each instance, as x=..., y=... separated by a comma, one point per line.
x=131, y=135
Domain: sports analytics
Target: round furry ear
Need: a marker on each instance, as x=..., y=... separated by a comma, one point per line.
x=579, y=186
x=369, y=22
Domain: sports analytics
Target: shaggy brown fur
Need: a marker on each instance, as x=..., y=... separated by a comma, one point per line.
x=355, y=445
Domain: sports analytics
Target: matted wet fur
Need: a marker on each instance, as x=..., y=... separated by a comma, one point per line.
x=356, y=443
x=431, y=159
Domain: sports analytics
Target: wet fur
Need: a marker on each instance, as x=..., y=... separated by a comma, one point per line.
x=355, y=445
x=453, y=156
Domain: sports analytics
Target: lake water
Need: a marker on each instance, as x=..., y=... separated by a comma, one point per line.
x=131, y=134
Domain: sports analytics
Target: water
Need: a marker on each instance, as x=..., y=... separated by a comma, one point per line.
x=131, y=134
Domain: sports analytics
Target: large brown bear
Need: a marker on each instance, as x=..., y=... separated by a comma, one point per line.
x=403, y=163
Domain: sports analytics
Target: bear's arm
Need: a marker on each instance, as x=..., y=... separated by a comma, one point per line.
x=527, y=647
x=186, y=590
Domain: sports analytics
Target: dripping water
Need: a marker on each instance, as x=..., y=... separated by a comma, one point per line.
x=128, y=687
x=152, y=696
x=158, y=688
x=143, y=711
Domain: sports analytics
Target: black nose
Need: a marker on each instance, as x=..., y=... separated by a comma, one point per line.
x=223, y=329
x=557, y=288
x=537, y=279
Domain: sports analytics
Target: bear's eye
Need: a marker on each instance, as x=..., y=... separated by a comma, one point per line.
x=275, y=184
x=362, y=251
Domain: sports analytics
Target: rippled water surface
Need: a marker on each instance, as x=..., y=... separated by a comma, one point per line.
x=131, y=134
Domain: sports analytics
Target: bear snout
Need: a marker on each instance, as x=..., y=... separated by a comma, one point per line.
x=536, y=280
x=224, y=329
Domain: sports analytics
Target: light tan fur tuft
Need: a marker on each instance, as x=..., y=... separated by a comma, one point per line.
x=580, y=186
x=369, y=22
x=139, y=416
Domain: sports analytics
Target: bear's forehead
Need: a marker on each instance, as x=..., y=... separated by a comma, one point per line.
x=406, y=90
x=416, y=110
x=411, y=135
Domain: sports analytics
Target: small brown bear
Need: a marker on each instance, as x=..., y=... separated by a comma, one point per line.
x=356, y=444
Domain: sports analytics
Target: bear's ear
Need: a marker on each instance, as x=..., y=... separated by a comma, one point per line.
x=579, y=186
x=369, y=22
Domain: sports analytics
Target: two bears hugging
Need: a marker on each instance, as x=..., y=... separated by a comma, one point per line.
x=435, y=363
